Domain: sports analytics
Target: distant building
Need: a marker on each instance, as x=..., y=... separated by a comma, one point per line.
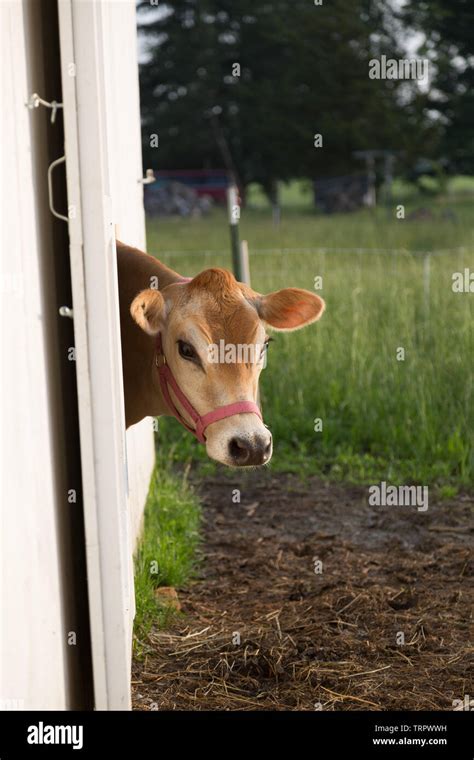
x=341, y=194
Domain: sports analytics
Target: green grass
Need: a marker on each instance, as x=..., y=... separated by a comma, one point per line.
x=408, y=420
x=299, y=194
x=400, y=421
x=167, y=554
x=302, y=228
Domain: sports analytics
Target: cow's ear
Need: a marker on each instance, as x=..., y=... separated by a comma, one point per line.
x=148, y=311
x=289, y=309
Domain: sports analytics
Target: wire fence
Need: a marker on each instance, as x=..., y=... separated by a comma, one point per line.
x=324, y=249
x=423, y=259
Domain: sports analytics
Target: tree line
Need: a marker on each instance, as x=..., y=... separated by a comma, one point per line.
x=280, y=89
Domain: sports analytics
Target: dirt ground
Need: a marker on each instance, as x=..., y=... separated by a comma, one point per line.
x=382, y=624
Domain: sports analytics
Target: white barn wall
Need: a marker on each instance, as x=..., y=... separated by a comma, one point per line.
x=104, y=171
x=35, y=668
x=32, y=631
x=125, y=166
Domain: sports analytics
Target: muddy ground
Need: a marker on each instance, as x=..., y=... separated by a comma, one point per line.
x=382, y=624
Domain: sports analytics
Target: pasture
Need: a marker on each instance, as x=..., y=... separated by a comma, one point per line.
x=346, y=411
x=409, y=419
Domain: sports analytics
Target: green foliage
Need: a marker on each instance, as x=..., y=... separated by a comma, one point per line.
x=303, y=70
x=447, y=492
x=167, y=553
x=446, y=27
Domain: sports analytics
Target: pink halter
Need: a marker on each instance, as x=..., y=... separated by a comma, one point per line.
x=168, y=381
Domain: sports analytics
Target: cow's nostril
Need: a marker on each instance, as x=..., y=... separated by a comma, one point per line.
x=246, y=452
x=239, y=450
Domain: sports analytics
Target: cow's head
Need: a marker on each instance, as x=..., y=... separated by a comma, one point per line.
x=215, y=334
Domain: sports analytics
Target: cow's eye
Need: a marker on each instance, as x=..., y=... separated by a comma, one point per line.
x=187, y=351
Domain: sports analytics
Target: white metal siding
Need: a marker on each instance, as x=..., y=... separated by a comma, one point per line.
x=103, y=173
x=32, y=632
x=123, y=143
x=104, y=169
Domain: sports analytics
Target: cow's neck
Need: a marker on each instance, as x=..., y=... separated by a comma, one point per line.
x=143, y=396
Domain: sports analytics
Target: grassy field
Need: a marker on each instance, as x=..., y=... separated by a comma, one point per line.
x=383, y=419
x=408, y=420
x=301, y=228
x=167, y=553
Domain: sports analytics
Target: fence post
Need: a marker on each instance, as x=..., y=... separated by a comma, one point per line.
x=426, y=283
x=244, y=250
x=234, y=216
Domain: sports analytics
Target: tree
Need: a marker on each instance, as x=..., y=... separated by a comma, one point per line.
x=253, y=83
x=447, y=28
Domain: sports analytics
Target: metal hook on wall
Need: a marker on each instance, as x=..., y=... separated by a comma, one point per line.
x=35, y=100
x=51, y=168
